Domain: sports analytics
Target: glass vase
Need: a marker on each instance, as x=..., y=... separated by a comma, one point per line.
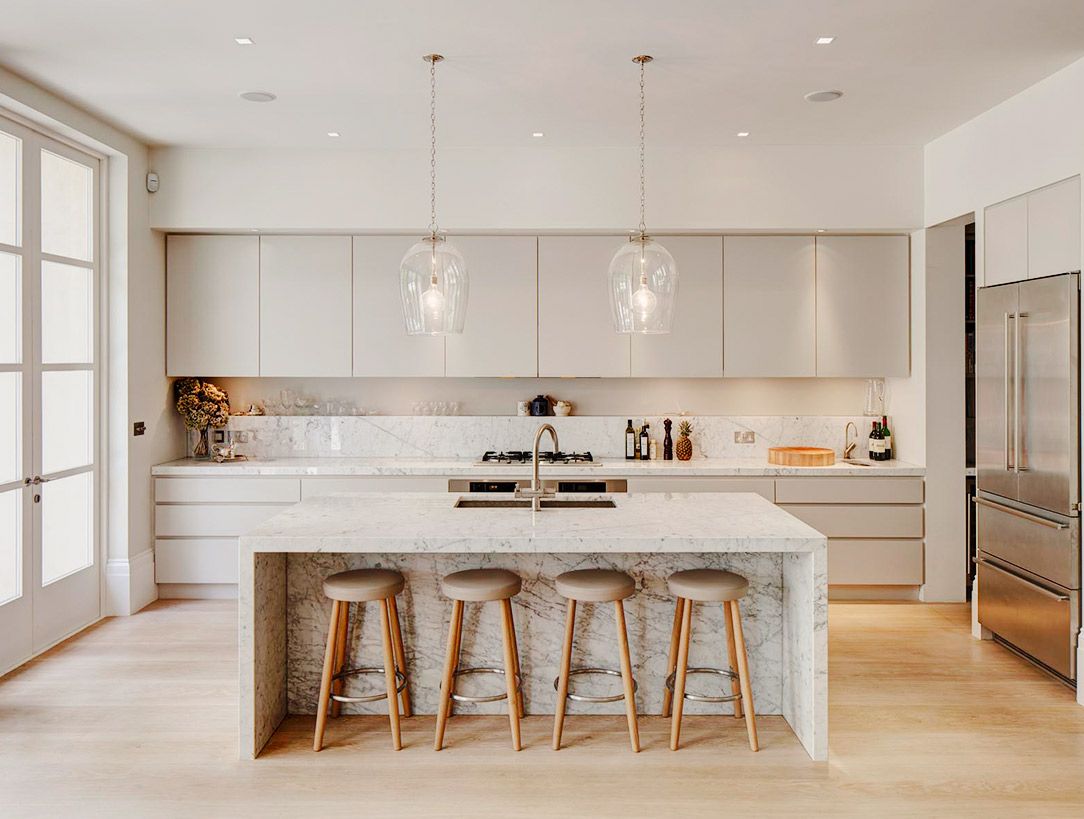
x=201, y=443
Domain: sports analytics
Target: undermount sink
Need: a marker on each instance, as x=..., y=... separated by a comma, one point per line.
x=525, y=503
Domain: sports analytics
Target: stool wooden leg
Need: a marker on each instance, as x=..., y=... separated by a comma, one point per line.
x=515, y=656
x=509, y=672
x=325, y=679
x=400, y=653
x=743, y=675
x=457, y=653
x=732, y=657
x=671, y=659
x=679, y=677
x=626, y=676
x=389, y=676
x=340, y=657
x=449, y=670
x=562, y=679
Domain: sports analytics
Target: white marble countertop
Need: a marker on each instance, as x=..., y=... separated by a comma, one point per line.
x=429, y=522
x=701, y=467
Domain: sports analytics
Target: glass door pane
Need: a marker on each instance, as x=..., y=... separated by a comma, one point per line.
x=67, y=314
x=67, y=536
x=11, y=308
x=11, y=490
x=67, y=420
x=11, y=545
x=67, y=207
x=11, y=189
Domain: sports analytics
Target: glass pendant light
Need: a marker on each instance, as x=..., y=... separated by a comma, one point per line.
x=643, y=274
x=433, y=276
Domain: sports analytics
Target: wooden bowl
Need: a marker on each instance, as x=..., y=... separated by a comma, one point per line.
x=801, y=456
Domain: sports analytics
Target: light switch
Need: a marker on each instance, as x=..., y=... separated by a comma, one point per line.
x=139, y=428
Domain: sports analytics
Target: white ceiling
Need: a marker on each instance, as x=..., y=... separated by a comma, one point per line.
x=171, y=73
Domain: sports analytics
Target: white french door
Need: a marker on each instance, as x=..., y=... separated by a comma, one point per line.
x=50, y=581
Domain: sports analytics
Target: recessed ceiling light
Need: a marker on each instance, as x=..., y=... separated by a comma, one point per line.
x=538, y=134
x=244, y=41
x=258, y=96
x=825, y=40
x=743, y=133
x=823, y=96
x=333, y=133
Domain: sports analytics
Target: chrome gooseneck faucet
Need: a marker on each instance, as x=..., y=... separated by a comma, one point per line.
x=536, y=492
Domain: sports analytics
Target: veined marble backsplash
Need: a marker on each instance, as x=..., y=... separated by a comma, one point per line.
x=425, y=436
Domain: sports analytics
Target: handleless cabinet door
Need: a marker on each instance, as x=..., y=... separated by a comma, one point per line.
x=1054, y=229
x=576, y=336
x=212, y=305
x=1005, y=242
x=305, y=306
x=769, y=306
x=863, y=306
x=500, y=336
x=694, y=347
x=381, y=344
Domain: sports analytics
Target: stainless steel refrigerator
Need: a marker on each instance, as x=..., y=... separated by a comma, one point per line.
x=1027, y=453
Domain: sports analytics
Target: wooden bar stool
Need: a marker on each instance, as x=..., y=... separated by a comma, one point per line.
x=363, y=586
x=481, y=586
x=708, y=586
x=596, y=586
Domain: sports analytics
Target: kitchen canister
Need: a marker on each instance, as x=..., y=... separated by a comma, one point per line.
x=523, y=408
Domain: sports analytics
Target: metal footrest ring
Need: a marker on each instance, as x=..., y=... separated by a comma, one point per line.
x=400, y=680
x=722, y=672
x=459, y=672
x=583, y=697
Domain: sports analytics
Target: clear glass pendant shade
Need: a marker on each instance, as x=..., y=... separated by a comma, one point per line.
x=434, y=286
x=643, y=287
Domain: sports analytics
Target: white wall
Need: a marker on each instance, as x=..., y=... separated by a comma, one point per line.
x=137, y=388
x=740, y=188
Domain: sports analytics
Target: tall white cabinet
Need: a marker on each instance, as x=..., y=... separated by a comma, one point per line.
x=381, y=344
x=305, y=285
x=863, y=306
x=213, y=305
x=575, y=333
x=769, y=306
x=500, y=337
x=694, y=347
x=1005, y=242
x=1054, y=229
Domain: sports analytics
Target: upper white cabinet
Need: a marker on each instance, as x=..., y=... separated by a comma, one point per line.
x=305, y=306
x=863, y=306
x=769, y=306
x=575, y=332
x=1005, y=242
x=694, y=347
x=500, y=335
x=381, y=344
x=212, y=305
x=1053, y=229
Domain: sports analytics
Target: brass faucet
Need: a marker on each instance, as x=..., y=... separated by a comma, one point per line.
x=848, y=444
x=536, y=492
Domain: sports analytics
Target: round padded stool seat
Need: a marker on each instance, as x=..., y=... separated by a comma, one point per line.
x=595, y=585
x=481, y=585
x=363, y=585
x=708, y=585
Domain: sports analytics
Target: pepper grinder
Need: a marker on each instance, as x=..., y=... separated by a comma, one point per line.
x=667, y=442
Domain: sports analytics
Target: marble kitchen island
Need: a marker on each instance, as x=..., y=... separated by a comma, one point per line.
x=284, y=614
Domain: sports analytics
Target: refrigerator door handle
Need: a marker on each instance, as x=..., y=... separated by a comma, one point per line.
x=1008, y=510
x=1017, y=390
x=1007, y=385
x=1062, y=598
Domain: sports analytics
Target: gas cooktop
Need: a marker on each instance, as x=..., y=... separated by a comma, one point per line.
x=517, y=457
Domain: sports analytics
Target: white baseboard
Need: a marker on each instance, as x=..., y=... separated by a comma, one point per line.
x=129, y=584
x=197, y=591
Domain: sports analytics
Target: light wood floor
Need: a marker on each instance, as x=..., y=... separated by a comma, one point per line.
x=137, y=717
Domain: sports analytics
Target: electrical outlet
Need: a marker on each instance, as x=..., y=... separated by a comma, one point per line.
x=139, y=428
x=745, y=436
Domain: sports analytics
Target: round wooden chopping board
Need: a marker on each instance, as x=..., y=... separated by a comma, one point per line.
x=801, y=456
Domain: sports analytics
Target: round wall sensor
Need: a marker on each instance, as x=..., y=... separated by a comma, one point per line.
x=823, y=96
x=258, y=96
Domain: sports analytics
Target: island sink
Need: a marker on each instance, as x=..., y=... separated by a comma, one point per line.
x=525, y=503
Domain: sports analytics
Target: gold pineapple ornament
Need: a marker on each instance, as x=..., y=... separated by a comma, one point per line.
x=684, y=447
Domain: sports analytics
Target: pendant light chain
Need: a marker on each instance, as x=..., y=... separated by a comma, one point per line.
x=643, y=175
x=433, y=145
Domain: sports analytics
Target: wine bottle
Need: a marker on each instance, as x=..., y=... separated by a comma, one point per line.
x=630, y=442
x=645, y=442
x=886, y=433
x=876, y=443
x=636, y=444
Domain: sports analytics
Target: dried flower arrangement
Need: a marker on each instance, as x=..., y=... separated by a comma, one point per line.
x=201, y=405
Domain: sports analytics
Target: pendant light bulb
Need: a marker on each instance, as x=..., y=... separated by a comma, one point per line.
x=644, y=301
x=433, y=304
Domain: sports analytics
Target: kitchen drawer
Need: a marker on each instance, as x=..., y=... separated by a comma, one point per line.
x=849, y=490
x=207, y=520
x=765, y=487
x=867, y=521
x=875, y=562
x=315, y=487
x=196, y=560
x=1031, y=542
x=227, y=490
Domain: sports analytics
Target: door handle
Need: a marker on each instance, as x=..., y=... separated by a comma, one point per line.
x=1061, y=598
x=1052, y=524
x=1008, y=443
x=1017, y=392
x=38, y=479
